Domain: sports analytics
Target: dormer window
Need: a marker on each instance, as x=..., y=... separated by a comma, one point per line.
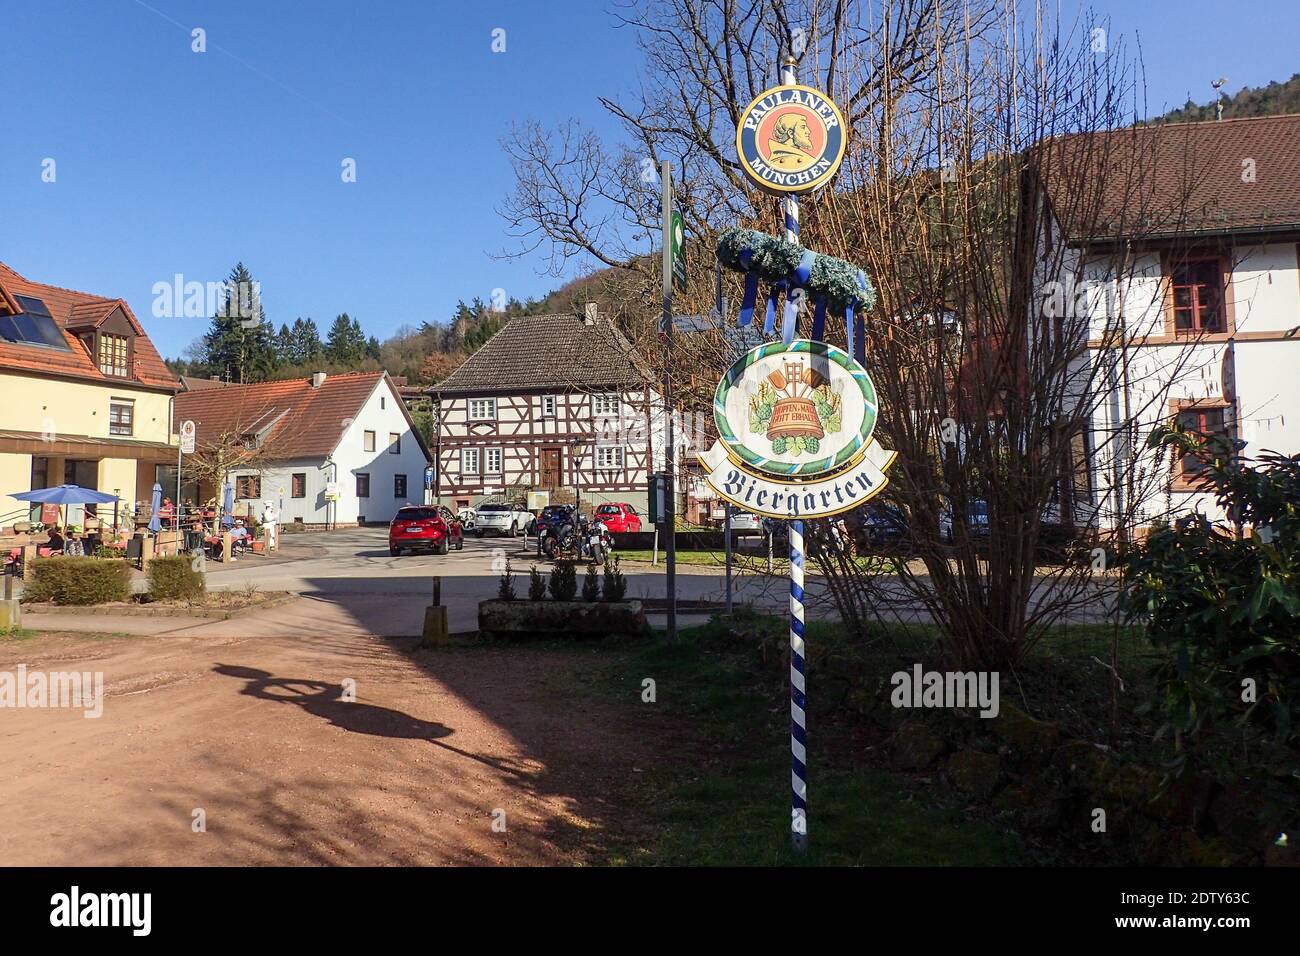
x=114, y=355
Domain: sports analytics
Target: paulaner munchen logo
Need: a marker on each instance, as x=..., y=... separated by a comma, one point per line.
x=791, y=139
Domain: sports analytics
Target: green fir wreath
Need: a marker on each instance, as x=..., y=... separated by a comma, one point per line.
x=774, y=260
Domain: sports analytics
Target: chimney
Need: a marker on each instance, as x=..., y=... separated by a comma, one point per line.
x=590, y=313
x=317, y=379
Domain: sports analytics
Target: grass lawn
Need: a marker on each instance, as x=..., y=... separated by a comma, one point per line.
x=749, y=561
x=724, y=799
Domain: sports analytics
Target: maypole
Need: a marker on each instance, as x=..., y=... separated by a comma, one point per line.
x=798, y=694
x=795, y=416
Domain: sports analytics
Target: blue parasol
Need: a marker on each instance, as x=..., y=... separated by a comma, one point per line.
x=65, y=495
x=155, y=505
x=227, y=506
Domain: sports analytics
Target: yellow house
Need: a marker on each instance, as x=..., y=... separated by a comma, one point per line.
x=85, y=398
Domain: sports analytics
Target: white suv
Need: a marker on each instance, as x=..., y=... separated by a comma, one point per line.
x=501, y=519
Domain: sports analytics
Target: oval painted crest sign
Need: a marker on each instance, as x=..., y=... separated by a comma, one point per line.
x=791, y=139
x=797, y=410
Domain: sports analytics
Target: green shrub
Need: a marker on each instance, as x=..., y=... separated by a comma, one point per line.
x=506, y=584
x=564, y=581
x=536, y=585
x=614, y=585
x=591, y=585
x=175, y=579
x=1222, y=609
x=79, y=581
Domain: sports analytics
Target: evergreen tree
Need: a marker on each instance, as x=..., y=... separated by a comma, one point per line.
x=285, y=347
x=240, y=344
x=372, y=348
x=346, y=344
x=307, y=343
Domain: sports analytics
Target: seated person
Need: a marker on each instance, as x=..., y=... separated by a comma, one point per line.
x=239, y=536
x=56, y=542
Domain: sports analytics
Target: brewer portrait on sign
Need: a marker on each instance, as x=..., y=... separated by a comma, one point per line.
x=791, y=144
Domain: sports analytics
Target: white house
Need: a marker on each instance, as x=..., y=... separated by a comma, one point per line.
x=1190, y=287
x=329, y=450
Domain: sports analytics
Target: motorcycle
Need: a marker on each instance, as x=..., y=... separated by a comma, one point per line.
x=587, y=542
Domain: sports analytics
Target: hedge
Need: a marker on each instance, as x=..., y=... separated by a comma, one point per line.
x=79, y=581
x=175, y=579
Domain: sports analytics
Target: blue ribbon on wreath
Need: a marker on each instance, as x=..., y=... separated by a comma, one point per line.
x=748, y=302
x=773, y=297
x=857, y=346
x=798, y=279
x=819, y=318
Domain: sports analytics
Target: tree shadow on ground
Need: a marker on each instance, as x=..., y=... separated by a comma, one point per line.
x=328, y=702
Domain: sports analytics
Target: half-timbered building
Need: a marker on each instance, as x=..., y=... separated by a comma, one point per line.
x=557, y=404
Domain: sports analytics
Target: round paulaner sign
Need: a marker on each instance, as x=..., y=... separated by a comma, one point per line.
x=791, y=139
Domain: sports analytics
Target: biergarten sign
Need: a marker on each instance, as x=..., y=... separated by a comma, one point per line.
x=795, y=425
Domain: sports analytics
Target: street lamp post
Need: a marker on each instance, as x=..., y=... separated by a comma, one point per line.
x=437, y=451
x=576, y=447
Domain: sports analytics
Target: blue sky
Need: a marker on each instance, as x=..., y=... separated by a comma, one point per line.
x=170, y=161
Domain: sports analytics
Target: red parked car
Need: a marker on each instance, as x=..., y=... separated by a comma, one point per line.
x=425, y=528
x=619, y=518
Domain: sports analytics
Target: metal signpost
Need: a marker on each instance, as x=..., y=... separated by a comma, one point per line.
x=670, y=245
x=186, y=447
x=795, y=416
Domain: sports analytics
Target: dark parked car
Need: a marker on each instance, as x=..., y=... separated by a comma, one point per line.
x=425, y=528
x=883, y=526
x=977, y=521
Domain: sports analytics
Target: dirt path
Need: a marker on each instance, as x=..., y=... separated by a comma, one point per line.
x=253, y=731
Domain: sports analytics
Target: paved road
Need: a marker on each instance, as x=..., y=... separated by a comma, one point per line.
x=352, y=571
x=349, y=583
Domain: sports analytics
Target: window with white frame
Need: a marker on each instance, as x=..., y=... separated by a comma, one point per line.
x=609, y=456
x=469, y=461
x=604, y=405
x=548, y=406
x=493, y=466
x=482, y=409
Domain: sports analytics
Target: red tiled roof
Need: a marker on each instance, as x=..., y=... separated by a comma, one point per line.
x=1233, y=176
x=308, y=422
x=69, y=307
x=192, y=383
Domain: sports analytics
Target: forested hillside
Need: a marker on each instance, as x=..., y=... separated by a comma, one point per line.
x=1270, y=100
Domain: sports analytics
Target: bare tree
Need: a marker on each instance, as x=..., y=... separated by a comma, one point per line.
x=1010, y=250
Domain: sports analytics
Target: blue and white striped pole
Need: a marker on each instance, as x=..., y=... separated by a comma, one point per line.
x=798, y=698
